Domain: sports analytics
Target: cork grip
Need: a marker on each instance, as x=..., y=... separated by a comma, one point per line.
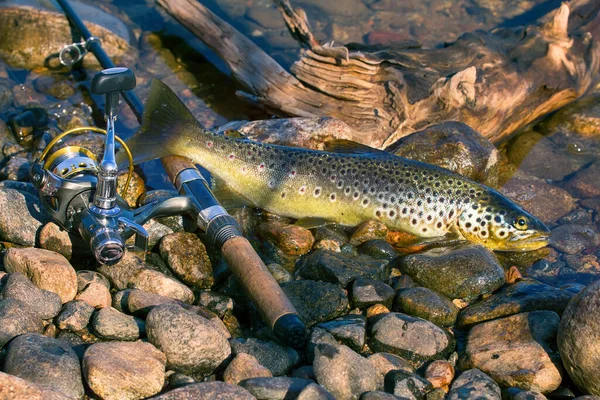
x=175, y=164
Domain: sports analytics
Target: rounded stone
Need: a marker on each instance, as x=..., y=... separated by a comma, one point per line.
x=16, y=318
x=474, y=384
x=316, y=301
x=85, y=277
x=96, y=295
x=367, y=292
x=53, y=238
x=427, y=304
x=244, y=366
x=187, y=257
x=368, y=230
x=153, y=281
x=124, y=370
x=440, y=373
x=386, y=362
x=20, y=217
x=111, y=324
x=207, y=390
x=12, y=387
x=293, y=240
x=74, y=316
x=276, y=358
x=43, y=302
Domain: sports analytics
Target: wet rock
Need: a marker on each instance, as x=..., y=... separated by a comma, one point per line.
x=16, y=169
x=192, y=344
x=585, y=184
x=532, y=194
x=379, y=249
x=43, y=302
x=572, y=239
x=244, y=366
x=343, y=372
x=16, y=318
x=523, y=296
x=464, y=271
x=367, y=292
x=187, y=257
x=579, y=216
x=386, y=362
x=155, y=282
x=368, y=230
x=276, y=358
x=350, y=330
x=410, y=386
x=46, y=269
x=96, y=295
x=12, y=387
x=440, y=373
x=124, y=370
x=279, y=273
x=207, y=390
x=578, y=339
x=156, y=231
x=293, y=240
x=216, y=302
x=427, y=304
x=474, y=384
x=328, y=266
x=54, y=85
x=454, y=146
x=53, y=238
x=74, y=316
x=316, y=301
x=277, y=388
x=45, y=361
x=401, y=282
x=110, y=324
x=315, y=392
x=20, y=217
x=140, y=303
x=517, y=351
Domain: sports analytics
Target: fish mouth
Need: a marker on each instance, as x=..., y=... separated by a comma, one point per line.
x=528, y=242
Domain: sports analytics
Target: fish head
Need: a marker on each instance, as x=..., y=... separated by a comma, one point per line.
x=501, y=225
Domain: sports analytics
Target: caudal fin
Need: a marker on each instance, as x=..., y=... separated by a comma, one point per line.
x=165, y=117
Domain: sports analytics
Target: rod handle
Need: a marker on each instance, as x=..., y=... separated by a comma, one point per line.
x=175, y=164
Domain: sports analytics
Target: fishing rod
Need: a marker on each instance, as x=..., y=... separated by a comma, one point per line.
x=81, y=195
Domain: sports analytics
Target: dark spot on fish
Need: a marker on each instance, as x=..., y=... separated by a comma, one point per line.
x=414, y=221
x=404, y=210
x=419, y=203
x=317, y=192
x=483, y=223
x=483, y=233
x=429, y=218
x=424, y=230
x=365, y=202
x=475, y=207
x=468, y=224
x=392, y=213
x=378, y=213
x=439, y=225
x=488, y=217
x=347, y=191
x=501, y=233
x=332, y=197
x=497, y=219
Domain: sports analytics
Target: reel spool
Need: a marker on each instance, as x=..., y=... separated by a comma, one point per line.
x=72, y=162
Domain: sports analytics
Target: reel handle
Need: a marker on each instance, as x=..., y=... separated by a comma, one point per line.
x=110, y=82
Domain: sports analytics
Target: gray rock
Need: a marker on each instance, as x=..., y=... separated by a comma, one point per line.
x=85, y=277
x=420, y=341
x=124, y=370
x=111, y=324
x=379, y=395
x=578, y=339
x=45, y=361
x=343, y=372
x=153, y=281
x=379, y=249
x=20, y=217
x=192, y=344
x=187, y=257
x=410, y=386
x=401, y=282
x=244, y=366
x=529, y=395
x=277, y=388
x=178, y=379
x=366, y=292
x=52, y=237
x=276, y=358
x=216, y=302
x=427, y=304
x=140, y=303
x=45, y=303
x=207, y=390
x=74, y=316
x=96, y=295
x=572, y=239
x=332, y=232
x=474, y=384
x=518, y=351
x=585, y=183
x=16, y=169
x=12, y=387
x=124, y=271
x=315, y=392
x=464, y=271
x=522, y=296
x=316, y=301
x=318, y=336
x=349, y=330
x=16, y=318
x=329, y=266
x=304, y=372
x=386, y=362
x=76, y=342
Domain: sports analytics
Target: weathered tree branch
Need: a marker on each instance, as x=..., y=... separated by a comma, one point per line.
x=496, y=82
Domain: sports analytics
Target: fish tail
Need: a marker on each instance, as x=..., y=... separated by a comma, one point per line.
x=165, y=118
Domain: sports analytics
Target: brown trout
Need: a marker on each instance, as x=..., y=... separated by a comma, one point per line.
x=347, y=189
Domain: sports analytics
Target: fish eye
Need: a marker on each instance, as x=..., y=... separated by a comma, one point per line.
x=521, y=223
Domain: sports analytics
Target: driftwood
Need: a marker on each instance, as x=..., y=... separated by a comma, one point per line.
x=496, y=82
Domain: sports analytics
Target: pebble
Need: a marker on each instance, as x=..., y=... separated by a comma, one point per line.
x=406, y=385
x=192, y=344
x=474, y=384
x=45, y=361
x=335, y=233
x=427, y=304
x=46, y=269
x=207, y=390
x=21, y=217
x=244, y=366
x=124, y=370
x=110, y=324
x=85, y=277
x=216, y=302
x=421, y=340
x=367, y=292
x=329, y=266
x=350, y=330
x=386, y=362
x=43, y=302
x=518, y=351
x=96, y=295
x=276, y=358
x=440, y=373
x=375, y=310
x=368, y=230
x=464, y=271
x=574, y=238
x=379, y=249
x=315, y=392
x=16, y=318
x=12, y=387
x=153, y=281
x=523, y=296
x=454, y=146
x=140, y=303
x=585, y=184
x=316, y=301
x=293, y=240
x=53, y=238
x=579, y=340
x=187, y=257
x=277, y=388
x=279, y=273
x=74, y=316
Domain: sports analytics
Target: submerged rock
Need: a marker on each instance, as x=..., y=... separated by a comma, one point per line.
x=316, y=301
x=585, y=184
x=574, y=238
x=424, y=303
x=367, y=292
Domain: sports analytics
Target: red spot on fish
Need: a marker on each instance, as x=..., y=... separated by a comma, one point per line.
x=261, y=166
x=231, y=156
x=209, y=144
